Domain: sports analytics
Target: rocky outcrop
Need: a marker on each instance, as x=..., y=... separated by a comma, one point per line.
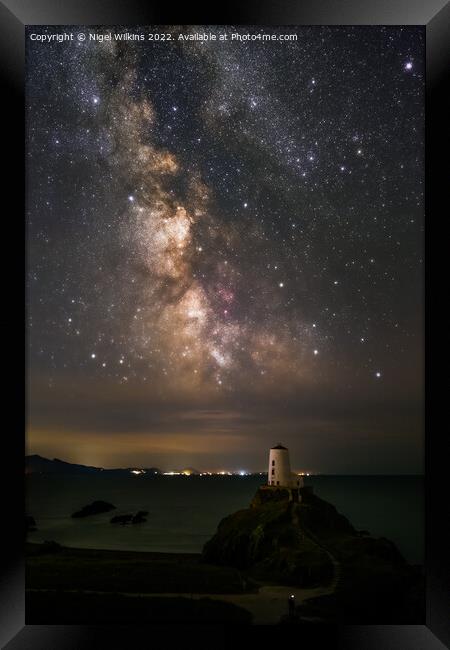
x=294, y=537
x=267, y=540
x=94, y=508
x=121, y=519
x=138, y=518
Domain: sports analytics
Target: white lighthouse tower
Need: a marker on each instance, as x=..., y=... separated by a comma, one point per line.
x=280, y=474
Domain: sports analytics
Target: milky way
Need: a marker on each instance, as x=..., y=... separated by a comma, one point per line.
x=225, y=246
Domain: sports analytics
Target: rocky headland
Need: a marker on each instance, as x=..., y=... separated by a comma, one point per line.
x=293, y=537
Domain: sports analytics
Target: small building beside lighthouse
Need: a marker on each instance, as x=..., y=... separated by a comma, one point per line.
x=279, y=474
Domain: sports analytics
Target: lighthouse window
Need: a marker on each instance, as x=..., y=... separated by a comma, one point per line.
x=273, y=463
x=278, y=482
x=273, y=471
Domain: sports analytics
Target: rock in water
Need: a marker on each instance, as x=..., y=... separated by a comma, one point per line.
x=140, y=517
x=94, y=508
x=122, y=519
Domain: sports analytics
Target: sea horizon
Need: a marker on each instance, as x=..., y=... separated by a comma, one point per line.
x=215, y=472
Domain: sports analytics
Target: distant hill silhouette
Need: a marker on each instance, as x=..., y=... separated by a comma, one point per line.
x=36, y=464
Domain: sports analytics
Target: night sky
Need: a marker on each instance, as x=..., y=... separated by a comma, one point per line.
x=225, y=250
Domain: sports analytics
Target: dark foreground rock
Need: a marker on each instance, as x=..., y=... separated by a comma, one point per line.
x=93, y=570
x=65, y=608
x=94, y=508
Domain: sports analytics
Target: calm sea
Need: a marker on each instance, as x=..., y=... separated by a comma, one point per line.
x=184, y=511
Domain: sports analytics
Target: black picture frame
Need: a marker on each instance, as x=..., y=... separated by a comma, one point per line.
x=14, y=15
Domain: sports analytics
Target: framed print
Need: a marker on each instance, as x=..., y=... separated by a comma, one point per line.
x=225, y=220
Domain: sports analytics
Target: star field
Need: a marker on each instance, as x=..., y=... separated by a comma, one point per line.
x=226, y=239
